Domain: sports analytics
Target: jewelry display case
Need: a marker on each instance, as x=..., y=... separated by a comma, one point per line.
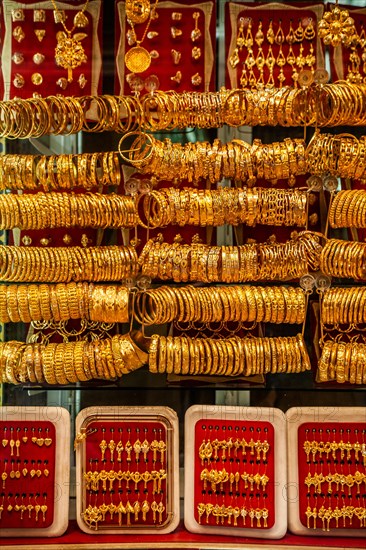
x=183, y=262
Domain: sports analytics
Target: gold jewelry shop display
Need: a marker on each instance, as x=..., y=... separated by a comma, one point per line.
x=127, y=470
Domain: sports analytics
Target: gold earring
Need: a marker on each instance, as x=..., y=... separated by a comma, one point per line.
x=279, y=37
x=259, y=36
x=18, y=58
x=290, y=36
x=196, y=79
x=40, y=33
x=270, y=33
x=196, y=33
x=18, y=34
x=176, y=56
x=309, y=32
x=176, y=32
x=18, y=81
x=299, y=32
x=196, y=52
x=177, y=77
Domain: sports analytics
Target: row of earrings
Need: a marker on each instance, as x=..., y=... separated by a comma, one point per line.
x=13, y=505
x=34, y=471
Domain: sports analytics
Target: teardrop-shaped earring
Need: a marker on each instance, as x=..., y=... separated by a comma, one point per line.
x=309, y=32
x=299, y=32
x=279, y=37
x=290, y=37
x=81, y=20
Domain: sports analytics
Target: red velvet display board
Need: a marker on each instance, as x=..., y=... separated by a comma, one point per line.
x=243, y=69
x=168, y=64
x=39, y=37
x=331, y=492
x=235, y=450
x=24, y=481
x=143, y=476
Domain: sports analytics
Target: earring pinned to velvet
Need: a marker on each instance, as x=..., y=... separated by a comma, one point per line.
x=196, y=33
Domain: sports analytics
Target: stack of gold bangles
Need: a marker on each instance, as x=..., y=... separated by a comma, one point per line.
x=65, y=264
x=61, y=302
x=200, y=160
x=230, y=264
x=340, y=155
x=37, y=116
x=341, y=103
x=344, y=306
x=56, y=172
x=216, y=304
x=348, y=209
x=69, y=362
x=225, y=205
x=344, y=259
x=342, y=362
x=50, y=210
x=230, y=357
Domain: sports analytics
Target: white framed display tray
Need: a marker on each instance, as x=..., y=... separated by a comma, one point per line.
x=35, y=462
x=326, y=471
x=235, y=471
x=127, y=470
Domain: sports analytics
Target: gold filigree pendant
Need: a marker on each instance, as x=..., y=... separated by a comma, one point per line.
x=69, y=52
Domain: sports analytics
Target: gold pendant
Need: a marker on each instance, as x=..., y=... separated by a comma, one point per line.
x=137, y=59
x=81, y=20
x=69, y=53
x=137, y=11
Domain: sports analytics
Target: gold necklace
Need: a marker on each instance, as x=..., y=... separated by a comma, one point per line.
x=69, y=53
x=138, y=59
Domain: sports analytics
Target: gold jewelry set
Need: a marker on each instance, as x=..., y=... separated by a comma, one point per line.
x=225, y=474
x=13, y=505
x=342, y=362
x=225, y=205
x=344, y=306
x=93, y=515
x=202, y=161
x=348, y=209
x=69, y=362
x=282, y=46
x=340, y=155
x=161, y=208
x=64, y=264
x=231, y=264
x=59, y=172
x=222, y=513
x=252, y=304
x=235, y=356
x=20, y=447
x=343, y=356
x=64, y=301
x=338, y=104
x=340, y=484
x=122, y=479
x=357, y=57
x=343, y=259
x=69, y=52
x=51, y=210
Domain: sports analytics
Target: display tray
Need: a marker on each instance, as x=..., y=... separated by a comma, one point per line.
x=236, y=458
x=127, y=469
x=76, y=540
x=35, y=467
x=326, y=466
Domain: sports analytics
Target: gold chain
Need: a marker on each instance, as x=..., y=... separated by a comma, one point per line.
x=62, y=20
x=152, y=13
